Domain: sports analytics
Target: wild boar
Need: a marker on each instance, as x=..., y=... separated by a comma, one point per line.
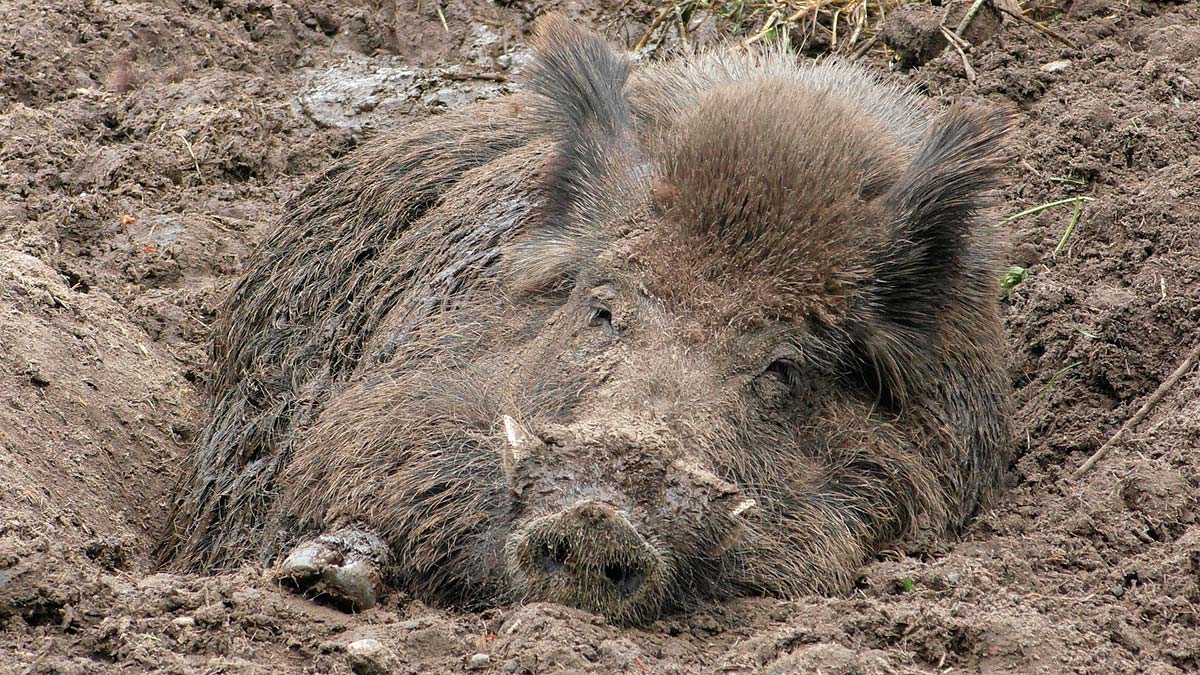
x=626, y=341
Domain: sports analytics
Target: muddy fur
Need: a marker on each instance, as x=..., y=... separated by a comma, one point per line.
x=697, y=283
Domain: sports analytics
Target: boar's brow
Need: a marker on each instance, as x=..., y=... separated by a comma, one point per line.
x=549, y=261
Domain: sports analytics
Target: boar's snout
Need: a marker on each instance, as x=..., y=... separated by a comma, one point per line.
x=590, y=556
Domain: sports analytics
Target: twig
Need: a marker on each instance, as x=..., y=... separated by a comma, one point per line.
x=951, y=37
x=969, y=17
x=957, y=43
x=803, y=11
x=1140, y=415
x=865, y=47
x=441, y=16
x=653, y=27
x=187, y=144
x=1070, y=181
x=862, y=19
x=766, y=29
x=682, y=30
x=466, y=77
x=1039, y=27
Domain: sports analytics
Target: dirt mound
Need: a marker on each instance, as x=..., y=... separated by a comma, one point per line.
x=145, y=146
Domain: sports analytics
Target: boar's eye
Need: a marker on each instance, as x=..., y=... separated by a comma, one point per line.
x=775, y=384
x=600, y=317
x=781, y=370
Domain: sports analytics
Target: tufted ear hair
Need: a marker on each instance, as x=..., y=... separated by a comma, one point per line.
x=578, y=80
x=930, y=257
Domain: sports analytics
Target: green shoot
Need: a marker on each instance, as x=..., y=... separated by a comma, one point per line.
x=1070, y=228
x=1054, y=378
x=1043, y=207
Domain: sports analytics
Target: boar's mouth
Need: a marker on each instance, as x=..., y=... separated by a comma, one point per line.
x=591, y=557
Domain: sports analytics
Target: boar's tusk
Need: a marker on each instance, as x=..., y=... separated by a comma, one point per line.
x=743, y=506
x=518, y=439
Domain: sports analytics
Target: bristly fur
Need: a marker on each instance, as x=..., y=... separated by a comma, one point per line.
x=771, y=274
x=343, y=281
x=935, y=204
x=766, y=193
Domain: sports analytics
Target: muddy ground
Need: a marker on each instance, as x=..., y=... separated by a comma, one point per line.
x=146, y=146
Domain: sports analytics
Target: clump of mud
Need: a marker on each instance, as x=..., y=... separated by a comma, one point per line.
x=146, y=146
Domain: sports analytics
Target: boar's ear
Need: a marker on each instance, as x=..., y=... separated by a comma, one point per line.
x=578, y=80
x=934, y=207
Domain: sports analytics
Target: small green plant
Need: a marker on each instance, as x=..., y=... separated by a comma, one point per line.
x=1084, y=333
x=1013, y=278
x=1053, y=378
x=909, y=585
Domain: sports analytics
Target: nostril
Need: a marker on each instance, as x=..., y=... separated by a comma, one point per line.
x=552, y=556
x=627, y=580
